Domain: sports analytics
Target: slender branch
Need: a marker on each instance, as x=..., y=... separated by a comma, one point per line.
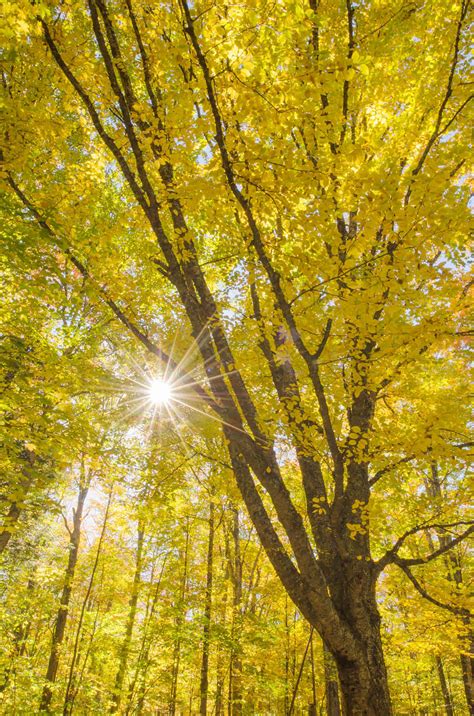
x=449, y=90
x=350, y=52
x=324, y=340
x=391, y=555
x=144, y=58
x=438, y=552
x=96, y=121
x=119, y=313
x=455, y=610
x=389, y=468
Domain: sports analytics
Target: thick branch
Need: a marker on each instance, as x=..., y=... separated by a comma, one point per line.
x=273, y=276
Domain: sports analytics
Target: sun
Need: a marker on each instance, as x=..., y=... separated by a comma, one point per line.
x=160, y=391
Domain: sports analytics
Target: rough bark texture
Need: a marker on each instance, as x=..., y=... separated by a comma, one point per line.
x=363, y=680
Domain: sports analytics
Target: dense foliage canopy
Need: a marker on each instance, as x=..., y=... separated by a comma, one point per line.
x=235, y=357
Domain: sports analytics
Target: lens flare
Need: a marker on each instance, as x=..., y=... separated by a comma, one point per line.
x=160, y=392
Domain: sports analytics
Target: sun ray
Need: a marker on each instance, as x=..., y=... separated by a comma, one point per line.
x=214, y=377
x=161, y=395
x=210, y=415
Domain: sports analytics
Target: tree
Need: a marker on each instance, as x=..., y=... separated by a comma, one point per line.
x=244, y=168
x=60, y=625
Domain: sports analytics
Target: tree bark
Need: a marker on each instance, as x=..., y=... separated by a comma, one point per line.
x=61, y=619
x=333, y=706
x=143, y=660
x=235, y=675
x=71, y=687
x=204, y=687
x=448, y=703
x=454, y=574
x=221, y=669
x=179, y=626
x=125, y=648
x=363, y=681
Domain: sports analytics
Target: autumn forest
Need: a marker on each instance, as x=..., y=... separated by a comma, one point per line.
x=234, y=364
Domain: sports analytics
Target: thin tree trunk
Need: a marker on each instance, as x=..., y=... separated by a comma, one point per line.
x=207, y=615
x=454, y=574
x=300, y=674
x=71, y=686
x=143, y=657
x=9, y=525
x=313, y=706
x=98, y=692
x=125, y=648
x=333, y=706
x=467, y=666
x=179, y=626
x=61, y=619
x=448, y=703
x=220, y=676
x=14, y=511
x=235, y=676
x=286, y=702
x=20, y=638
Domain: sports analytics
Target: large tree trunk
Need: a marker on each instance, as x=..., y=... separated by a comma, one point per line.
x=61, y=619
x=363, y=681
